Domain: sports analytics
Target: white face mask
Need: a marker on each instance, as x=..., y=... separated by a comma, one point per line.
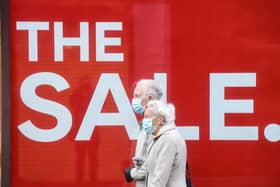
x=137, y=106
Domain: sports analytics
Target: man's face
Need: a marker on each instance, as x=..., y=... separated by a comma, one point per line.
x=139, y=93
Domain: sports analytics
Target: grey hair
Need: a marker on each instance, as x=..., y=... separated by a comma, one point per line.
x=167, y=111
x=151, y=88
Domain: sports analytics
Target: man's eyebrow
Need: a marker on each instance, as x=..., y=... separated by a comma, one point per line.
x=136, y=95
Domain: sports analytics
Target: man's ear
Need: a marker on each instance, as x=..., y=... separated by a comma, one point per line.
x=150, y=97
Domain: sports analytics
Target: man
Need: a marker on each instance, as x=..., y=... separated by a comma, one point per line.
x=144, y=91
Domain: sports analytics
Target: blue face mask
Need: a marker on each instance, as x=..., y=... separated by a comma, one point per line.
x=147, y=124
x=137, y=106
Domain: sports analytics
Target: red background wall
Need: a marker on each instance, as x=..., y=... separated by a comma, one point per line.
x=185, y=39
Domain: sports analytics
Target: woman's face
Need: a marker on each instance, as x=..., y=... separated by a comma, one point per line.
x=149, y=112
x=157, y=120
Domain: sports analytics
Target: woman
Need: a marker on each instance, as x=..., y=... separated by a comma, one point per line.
x=165, y=160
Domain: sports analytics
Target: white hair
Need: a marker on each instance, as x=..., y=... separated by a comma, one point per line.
x=167, y=111
x=151, y=88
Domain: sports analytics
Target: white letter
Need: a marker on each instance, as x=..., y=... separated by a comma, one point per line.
x=94, y=117
x=101, y=41
x=33, y=101
x=60, y=41
x=161, y=79
x=188, y=132
x=219, y=106
x=32, y=28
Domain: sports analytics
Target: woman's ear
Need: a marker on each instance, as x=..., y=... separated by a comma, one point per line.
x=162, y=120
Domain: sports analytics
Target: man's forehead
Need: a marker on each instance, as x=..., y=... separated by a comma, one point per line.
x=139, y=89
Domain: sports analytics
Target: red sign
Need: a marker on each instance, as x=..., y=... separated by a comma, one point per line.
x=74, y=63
